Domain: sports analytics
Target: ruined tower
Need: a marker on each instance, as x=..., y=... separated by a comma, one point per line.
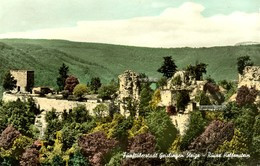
x=129, y=89
x=25, y=80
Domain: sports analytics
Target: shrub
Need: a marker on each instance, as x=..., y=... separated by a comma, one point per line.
x=80, y=90
x=195, y=128
x=160, y=123
x=101, y=110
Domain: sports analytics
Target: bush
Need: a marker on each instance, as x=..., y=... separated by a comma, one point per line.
x=101, y=110
x=194, y=129
x=159, y=124
x=80, y=90
x=107, y=91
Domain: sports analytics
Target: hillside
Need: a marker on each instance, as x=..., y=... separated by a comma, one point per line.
x=87, y=60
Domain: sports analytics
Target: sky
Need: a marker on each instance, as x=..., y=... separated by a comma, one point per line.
x=149, y=23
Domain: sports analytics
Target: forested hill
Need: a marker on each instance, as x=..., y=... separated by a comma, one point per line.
x=87, y=60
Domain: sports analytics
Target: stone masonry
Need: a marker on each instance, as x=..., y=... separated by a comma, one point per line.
x=129, y=88
x=25, y=80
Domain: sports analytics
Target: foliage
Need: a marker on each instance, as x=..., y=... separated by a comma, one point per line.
x=156, y=99
x=245, y=120
x=246, y=96
x=237, y=145
x=175, y=147
x=213, y=136
x=142, y=143
x=95, y=146
x=226, y=84
x=77, y=159
x=145, y=98
x=139, y=127
x=95, y=84
x=9, y=83
x=53, y=124
x=159, y=124
x=161, y=82
x=101, y=110
x=8, y=136
x=195, y=127
x=168, y=68
x=182, y=99
x=107, y=91
x=63, y=75
x=30, y=157
x=211, y=88
x=116, y=159
x=70, y=83
x=202, y=98
x=57, y=161
x=242, y=62
x=80, y=90
x=197, y=71
x=177, y=81
x=21, y=115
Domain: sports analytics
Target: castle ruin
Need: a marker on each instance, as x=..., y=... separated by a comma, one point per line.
x=25, y=80
x=129, y=88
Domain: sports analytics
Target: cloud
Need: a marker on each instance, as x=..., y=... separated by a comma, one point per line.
x=174, y=27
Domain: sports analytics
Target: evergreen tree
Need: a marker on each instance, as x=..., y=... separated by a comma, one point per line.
x=63, y=75
x=168, y=68
x=9, y=82
x=242, y=62
x=95, y=84
x=197, y=70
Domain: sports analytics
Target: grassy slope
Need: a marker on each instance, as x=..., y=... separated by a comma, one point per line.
x=107, y=61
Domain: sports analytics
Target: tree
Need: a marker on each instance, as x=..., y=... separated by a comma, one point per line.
x=8, y=136
x=95, y=84
x=242, y=62
x=197, y=71
x=160, y=123
x=95, y=146
x=246, y=96
x=63, y=75
x=168, y=68
x=182, y=99
x=80, y=90
x=145, y=98
x=106, y=91
x=77, y=159
x=70, y=83
x=195, y=127
x=30, y=157
x=9, y=82
x=215, y=134
x=143, y=143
